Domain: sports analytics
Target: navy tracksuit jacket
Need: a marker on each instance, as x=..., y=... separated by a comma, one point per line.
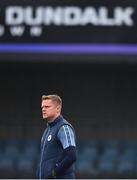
x=57, y=139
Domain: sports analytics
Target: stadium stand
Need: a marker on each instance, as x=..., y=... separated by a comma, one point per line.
x=95, y=159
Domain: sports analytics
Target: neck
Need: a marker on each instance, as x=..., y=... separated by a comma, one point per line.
x=54, y=118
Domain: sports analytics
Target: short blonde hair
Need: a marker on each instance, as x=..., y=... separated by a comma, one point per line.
x=54, y=97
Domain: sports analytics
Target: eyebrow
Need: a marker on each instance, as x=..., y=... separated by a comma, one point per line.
x=45, y=106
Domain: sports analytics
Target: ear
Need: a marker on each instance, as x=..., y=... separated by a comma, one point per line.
x=58, y=107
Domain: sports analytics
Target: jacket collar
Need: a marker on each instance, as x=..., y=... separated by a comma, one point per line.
x=55, y=121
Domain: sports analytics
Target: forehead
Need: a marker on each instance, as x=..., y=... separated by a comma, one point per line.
x=46, y=102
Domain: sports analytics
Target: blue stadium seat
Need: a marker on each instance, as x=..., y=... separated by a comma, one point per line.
x=28, y=157
x=107, y=166
x=90, y=153
x=109, y=157
x=25, y=165
x=2, y=145
x=85, y=166
x=129, y=145
x=31, y=143
x=30, y=149
x=126, y=163
x=87, y=156
x=12, y=151
x=112, y=145
x=6, y=163
x=126, y=166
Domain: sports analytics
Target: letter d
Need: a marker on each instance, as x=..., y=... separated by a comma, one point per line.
x=14, y=15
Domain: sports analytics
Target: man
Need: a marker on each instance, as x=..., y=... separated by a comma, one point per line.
x=58, y=147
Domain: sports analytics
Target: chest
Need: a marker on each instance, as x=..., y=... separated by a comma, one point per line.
x=49, y=137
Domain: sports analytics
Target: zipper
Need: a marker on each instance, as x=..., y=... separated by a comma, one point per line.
x=43, y=151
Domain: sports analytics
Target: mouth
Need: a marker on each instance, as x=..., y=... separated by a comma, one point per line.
x=44, y=114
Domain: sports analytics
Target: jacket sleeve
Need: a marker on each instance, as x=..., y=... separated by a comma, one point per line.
x=67, y=138
x=69, y=159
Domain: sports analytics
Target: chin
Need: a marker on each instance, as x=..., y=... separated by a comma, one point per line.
x=44, y=117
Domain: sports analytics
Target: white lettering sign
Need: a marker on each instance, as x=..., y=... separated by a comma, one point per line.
x=17, y=31
x=69, y=16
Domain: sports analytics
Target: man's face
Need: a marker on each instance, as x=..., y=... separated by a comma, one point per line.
x=49, y=109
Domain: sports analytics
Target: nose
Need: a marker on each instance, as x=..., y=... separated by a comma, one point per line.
x=43, y=109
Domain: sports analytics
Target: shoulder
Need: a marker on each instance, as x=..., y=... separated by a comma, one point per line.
x=66, y=122
x=66, y=136
x=66, y=127
x=66, y=130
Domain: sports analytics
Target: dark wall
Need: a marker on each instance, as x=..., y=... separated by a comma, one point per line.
x=95, y=96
